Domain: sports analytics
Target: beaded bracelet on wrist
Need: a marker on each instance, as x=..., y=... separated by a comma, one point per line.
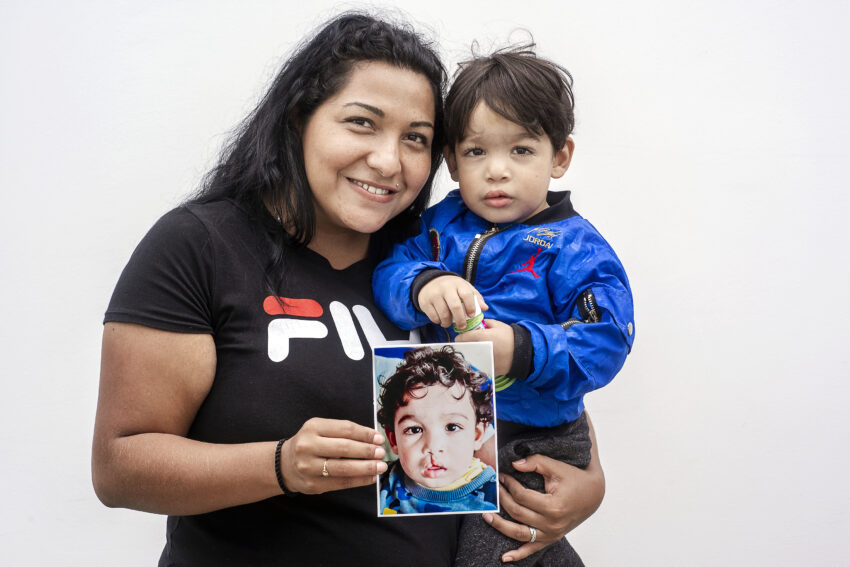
x=277, y=471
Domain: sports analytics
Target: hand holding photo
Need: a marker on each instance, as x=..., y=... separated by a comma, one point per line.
x=435, y=404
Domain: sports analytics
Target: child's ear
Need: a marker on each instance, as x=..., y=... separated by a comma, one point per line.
x=480, y=428
x=561, y=159
x=390, y=435
x=451, y=162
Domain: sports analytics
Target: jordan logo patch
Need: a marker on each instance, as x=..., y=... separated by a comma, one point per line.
x=528, y=265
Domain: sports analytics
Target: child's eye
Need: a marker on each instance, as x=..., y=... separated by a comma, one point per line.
x=453, y=427
x=473, y=152
x=523, y=151
x=412, y=430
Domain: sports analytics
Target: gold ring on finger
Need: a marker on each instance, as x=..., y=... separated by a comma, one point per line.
x=325, y=468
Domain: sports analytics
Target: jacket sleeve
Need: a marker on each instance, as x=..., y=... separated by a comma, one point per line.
x=592, y=303
x=393, y=280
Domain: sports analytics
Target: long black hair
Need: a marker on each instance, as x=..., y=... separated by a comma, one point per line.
x=264, y=162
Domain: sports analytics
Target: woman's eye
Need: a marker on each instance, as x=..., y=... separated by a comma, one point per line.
x=359, y=121
x=417, y=137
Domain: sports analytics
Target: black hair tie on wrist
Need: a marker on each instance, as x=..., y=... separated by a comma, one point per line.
x=277, y=466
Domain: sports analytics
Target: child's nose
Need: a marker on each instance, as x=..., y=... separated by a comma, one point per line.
x=497, y=169
x=434, y=443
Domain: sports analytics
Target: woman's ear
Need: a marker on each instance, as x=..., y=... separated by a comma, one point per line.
x=561, y=159
x=451, y=162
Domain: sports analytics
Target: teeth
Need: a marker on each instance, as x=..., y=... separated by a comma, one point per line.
x=370, y=189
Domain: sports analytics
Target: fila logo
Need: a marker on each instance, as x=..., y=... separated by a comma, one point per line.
x=283, y=330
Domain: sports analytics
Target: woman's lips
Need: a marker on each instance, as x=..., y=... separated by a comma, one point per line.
x=373, y=189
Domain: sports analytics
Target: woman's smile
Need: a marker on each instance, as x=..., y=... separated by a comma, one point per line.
x=367, y=149
x=374, y=189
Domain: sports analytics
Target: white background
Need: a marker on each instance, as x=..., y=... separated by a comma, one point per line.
x=711, y=152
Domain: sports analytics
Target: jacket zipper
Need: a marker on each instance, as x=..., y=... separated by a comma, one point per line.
x=470, y=262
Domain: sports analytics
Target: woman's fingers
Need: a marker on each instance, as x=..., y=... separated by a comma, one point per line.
x=341, y=468
x=520, y=502
x=521, y=533
x=328, y=454
x=522, y=515
x=342, y=429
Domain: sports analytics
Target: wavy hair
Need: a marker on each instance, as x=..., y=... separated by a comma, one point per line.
x=264, y=161
x=426, y=366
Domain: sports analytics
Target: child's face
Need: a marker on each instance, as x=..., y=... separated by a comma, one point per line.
x=503, y=169
x=435, y=434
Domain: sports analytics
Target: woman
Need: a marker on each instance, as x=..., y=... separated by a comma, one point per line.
x=232, y=367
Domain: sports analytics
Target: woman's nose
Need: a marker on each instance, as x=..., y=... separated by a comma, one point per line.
x=384, y=158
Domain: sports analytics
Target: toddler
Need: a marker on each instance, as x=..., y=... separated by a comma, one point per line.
x=557, y=298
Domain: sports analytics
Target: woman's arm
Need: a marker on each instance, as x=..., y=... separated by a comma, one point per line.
x=572, y=496
x=151, y=385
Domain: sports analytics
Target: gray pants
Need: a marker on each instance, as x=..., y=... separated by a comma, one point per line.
x=480, y=545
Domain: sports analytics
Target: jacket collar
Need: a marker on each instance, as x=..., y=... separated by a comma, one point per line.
x=560, y=208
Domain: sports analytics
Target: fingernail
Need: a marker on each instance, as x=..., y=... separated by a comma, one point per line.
x=382, y=467
x=378, y=439
x=488, y=518
x=379, y=453
x=507, y=559
x=502, y=478
x=520, y=462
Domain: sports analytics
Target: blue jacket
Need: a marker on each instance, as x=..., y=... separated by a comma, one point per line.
x=553, y=276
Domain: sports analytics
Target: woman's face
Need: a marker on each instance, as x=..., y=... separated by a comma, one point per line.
x=367, y=149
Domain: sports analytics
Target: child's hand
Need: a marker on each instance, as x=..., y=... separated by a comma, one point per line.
x=502, y=337
x=449, y=298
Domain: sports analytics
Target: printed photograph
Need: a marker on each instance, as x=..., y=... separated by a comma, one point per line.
x=435, y=405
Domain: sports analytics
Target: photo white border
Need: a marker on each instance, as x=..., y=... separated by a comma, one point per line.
x=477, y=354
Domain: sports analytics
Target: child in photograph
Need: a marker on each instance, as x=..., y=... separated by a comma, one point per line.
x=557, y=298
x=435, y=410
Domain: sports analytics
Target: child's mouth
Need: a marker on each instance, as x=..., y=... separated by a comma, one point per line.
x=497, y=199
x=434, y=471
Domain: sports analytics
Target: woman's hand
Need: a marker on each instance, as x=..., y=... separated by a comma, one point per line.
x=572, y=496
x=331, y=454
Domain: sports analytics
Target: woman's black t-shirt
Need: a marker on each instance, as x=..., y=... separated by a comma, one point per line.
x=201, y=269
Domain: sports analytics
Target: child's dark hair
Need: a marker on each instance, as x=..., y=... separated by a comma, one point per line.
x=425, y=366
x=518, y=84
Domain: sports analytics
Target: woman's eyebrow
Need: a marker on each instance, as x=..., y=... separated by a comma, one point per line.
x=369, y=107
x=378, y=112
